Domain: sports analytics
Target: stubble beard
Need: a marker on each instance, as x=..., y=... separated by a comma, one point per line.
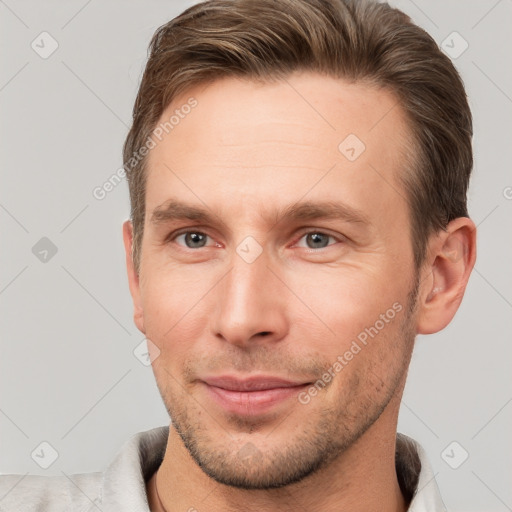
x=239, y=462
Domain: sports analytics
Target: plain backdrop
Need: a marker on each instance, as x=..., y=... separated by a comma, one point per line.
x=68, y=372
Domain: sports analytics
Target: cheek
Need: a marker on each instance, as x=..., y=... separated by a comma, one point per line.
x=353, y=322
x=368, y=363
x=344, y=302
x=174, y=309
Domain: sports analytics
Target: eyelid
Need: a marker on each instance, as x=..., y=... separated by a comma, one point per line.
x=171, y=237
x=338, y=237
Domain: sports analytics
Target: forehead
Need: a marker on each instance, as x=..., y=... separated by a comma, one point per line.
x=254, y=140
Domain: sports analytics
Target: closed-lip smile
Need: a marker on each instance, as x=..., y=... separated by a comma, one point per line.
x=251, y=395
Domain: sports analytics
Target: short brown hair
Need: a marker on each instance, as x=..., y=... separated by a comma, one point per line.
x=358, y=40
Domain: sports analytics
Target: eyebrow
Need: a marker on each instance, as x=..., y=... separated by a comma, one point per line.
x=174, y=210
x=324, y=210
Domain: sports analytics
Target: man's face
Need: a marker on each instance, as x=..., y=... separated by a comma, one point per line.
x=283, y=312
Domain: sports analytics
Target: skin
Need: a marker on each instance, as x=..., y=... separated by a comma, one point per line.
x=245, y=153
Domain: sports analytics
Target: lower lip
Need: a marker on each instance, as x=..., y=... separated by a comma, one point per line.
x=251, y=403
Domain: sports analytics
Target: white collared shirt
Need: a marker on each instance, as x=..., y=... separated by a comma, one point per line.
x=122, y=486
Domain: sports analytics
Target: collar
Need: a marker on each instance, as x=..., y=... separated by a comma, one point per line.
x=124, y=481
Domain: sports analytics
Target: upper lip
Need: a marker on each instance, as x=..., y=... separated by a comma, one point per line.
x=253, y=383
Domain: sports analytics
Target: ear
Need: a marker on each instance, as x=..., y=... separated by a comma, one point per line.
x=450, y=260
x=133, y=277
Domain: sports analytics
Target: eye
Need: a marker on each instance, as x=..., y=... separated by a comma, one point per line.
x=316, y=240
x=192, y=239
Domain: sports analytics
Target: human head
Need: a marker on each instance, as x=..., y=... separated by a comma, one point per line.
x=248, y=151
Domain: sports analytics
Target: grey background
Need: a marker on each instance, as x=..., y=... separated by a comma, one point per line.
x=68, y=374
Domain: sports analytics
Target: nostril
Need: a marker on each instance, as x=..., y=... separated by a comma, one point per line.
x=264, y=333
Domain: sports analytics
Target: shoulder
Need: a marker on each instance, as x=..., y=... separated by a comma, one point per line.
x=121, y=486
x=31, y=493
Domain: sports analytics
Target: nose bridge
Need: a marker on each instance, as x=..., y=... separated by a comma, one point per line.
x=247, y=301
x=246, y=289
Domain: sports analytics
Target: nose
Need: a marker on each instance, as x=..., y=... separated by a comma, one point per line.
x=250, y=304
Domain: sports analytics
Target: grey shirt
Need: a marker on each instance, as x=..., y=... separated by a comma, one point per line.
x=122, y=486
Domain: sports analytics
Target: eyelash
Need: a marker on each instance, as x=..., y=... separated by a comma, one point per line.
x=172, y=237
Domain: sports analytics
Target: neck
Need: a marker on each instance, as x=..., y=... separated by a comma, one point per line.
x=344, y=485
x=362, y=478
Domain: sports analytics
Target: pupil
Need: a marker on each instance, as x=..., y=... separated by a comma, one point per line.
x=195, y=239
x=318, y=240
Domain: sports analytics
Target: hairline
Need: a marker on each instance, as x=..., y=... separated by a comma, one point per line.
x=410, y=152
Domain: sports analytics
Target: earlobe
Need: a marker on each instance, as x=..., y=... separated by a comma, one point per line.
x=452, y=255
x=133, y=277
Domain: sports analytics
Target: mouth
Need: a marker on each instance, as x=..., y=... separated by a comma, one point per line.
x=251, y=396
